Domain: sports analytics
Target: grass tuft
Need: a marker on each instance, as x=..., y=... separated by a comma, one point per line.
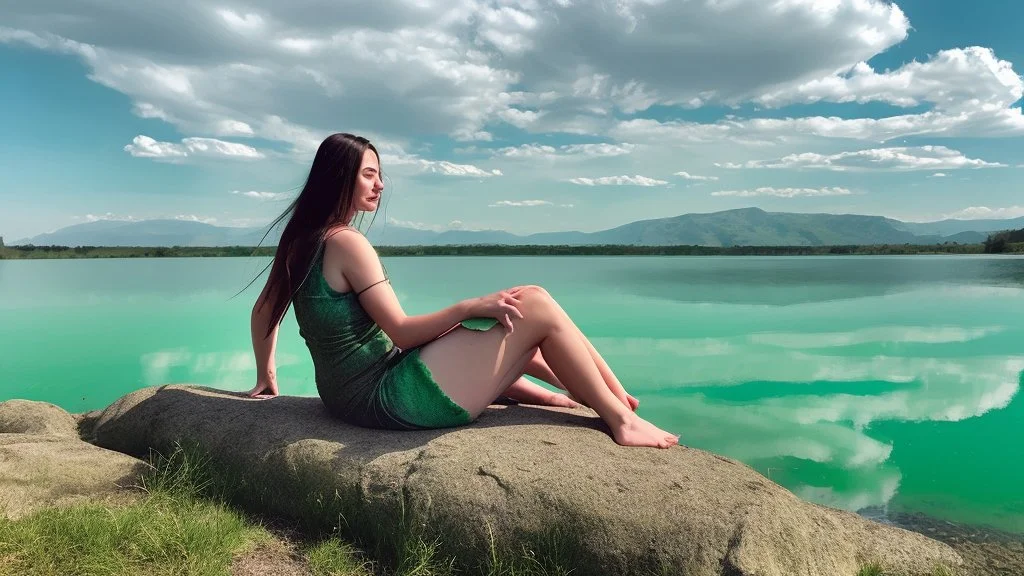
x=332, y=557
x=875, y=569
x=872, y=569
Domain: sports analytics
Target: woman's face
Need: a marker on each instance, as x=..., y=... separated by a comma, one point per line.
x=369, y=185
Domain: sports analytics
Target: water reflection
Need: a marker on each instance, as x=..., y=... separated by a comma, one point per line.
x=787, y=281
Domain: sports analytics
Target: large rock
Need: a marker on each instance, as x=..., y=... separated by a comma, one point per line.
x=519, y=474
x=44, y=463
x=30, y=417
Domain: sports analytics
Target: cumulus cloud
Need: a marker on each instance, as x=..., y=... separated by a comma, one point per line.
x=434, y=67
x=451, y=169
x=468, y=69
x=453, y=225
x=937, y=175
x=543, y=151
x=784, y=192
x=393, y=155
x=195, y=218
x=897, y=159
x=687, y=176
x=619, y=181
x=520, y=203
x=146, y=147
x=949, y=79
x=986, y=213
x=263, y=195
x=110, y=216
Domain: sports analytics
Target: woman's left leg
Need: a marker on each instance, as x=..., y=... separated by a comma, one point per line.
x=542, y=371
x=538, y=368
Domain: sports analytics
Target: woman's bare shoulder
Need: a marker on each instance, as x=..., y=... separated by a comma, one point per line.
x=347, y=242
x=342, y=236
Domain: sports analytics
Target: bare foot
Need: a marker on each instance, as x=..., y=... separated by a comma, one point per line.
x=635, y=431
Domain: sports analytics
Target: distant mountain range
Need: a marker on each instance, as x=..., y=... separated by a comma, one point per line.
x=742, y=227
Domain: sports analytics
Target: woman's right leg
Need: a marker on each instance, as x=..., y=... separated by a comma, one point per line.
x=473, y=368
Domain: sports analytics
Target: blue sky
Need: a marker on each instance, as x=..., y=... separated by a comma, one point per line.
x=527, y=116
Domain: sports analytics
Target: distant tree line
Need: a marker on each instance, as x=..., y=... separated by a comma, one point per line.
x=1002, y=242
x=1005, y=241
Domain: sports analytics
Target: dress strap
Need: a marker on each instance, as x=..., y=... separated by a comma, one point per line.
x=371, y=286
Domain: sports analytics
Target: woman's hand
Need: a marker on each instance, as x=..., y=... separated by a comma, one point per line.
x=502, y=306
x=266, y=387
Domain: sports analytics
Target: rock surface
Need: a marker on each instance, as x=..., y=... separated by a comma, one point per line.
x=44, y=463
x=523, y=474
x=30, y=417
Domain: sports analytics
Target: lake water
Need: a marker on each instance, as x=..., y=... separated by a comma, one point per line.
x=878, y=384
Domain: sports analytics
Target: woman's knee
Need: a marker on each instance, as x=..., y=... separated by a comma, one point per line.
x=533, y=292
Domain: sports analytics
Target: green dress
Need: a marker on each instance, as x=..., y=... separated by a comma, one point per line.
x=361, y=376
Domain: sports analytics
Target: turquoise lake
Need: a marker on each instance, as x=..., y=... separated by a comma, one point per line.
x=874, y=384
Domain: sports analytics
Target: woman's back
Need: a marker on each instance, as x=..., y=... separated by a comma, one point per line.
x=349, y=350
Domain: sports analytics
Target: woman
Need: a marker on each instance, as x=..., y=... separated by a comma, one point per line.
x=377, y=367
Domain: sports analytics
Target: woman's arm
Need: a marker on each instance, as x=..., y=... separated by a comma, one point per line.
x=362, y=268
x=263, y=347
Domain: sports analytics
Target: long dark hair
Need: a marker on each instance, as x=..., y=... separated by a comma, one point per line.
x=325, y=200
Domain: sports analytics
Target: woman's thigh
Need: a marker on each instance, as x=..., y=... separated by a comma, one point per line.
x=473, y=367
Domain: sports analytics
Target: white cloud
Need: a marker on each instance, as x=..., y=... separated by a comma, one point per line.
x=544, y=151
x=451, y=169
x=937, y=175
x=453, y=225
x=519, y=203
x=195, y=218
x=774, y=131
x=110, y=216
x=618, y=181
x=145, y=147
x=470, y=69
x=393, y=155
x=687, y=176
x=233, y=128
x=896, y=159
x=436, y=67
x=263, y=195
x=986, y=213
x=784, y=192
x=243, y=23
x=949, y=79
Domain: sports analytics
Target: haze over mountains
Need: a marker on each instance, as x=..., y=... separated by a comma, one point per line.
x=741, y=227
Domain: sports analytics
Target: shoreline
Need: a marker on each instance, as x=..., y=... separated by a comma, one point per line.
x=80, y=252
x=985, y=550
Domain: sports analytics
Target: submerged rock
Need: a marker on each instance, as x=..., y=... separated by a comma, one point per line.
x=44, y=463
x=550, y=480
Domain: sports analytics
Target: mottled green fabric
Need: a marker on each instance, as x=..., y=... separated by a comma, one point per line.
x=361, y=376
x=480, y=324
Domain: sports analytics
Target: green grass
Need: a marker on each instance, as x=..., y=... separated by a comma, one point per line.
x=876, y=569
x=872, y=569
x=332, y=557
x=165, y=533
